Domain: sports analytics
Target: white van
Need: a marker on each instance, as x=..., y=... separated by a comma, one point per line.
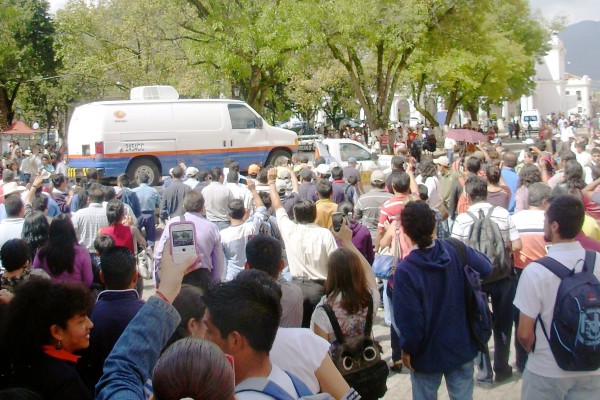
x=155, y=135
x=531, y=119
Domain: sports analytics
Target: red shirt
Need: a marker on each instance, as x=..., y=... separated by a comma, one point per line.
x=391, y=209
x=121, y=234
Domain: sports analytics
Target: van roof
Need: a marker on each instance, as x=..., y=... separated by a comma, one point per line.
x=119, y=102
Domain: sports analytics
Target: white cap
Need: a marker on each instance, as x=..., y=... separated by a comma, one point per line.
x=323, y=169
x=191, y=171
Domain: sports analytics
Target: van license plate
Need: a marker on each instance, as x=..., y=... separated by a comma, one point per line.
x=134, y=147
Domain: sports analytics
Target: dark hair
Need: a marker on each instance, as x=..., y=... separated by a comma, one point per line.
x=305, y=211
x=401, y=182
x=346, y=208
x=202, y=174
x=177, y=172
x=189, y=305
x=237, y=209
x=103, y=242
x=337, y=173
x=14, y=254
x=423, y=192
x=58, y=180
x=264, y=253
x=40, y=202
x=35, y=231
x=537, y=193
x=38, y=304
x=529, y=175
x=397, y=162
x=262, y=176
x=510, y=159
x=123, y=179
x=573, y=177
x=318, y=161
x=247, y=307
x=59, y=252
x=96, y=195
x=92, y=174
x=109, y=193
x=568, y=211
x=266, y=199
x=115, y=211
x=232, y=176
x=118, y=265
x=472, y=165
x=418, y=222
x=324, y=188
x=143, y=177
x=13, y=205
x=261, y=277
x=352, y=180
x=428, y=168
x=216, y=173
x=566, y=155
x=193, y=368
x=8, y=176
x=476, y=188
x=492, y=172
x=19, y=394
x=193, y=201
x=345, y=278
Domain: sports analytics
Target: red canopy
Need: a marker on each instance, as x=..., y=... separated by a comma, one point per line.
x=18, y=128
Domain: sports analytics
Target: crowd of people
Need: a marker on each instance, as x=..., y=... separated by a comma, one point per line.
x=280, y=297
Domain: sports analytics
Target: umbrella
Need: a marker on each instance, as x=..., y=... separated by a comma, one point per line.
x=466, y=135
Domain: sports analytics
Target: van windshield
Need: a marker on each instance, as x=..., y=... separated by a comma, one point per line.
x=530, y=118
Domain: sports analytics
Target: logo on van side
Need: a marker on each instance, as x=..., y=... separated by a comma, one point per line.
x=119, y=114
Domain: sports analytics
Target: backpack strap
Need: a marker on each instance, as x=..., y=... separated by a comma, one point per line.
x=555, y=267
x=461, y=249
x=301, y=389
x=264, y=386
x=590, y=261
x=489, y=214
x=339, y=336
x=473, y=216
x=369, y=321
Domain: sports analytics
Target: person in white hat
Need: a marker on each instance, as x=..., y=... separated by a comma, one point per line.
x=191, y=173
x=12, y=226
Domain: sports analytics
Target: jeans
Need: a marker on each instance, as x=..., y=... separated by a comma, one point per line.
x=459, y=383
x=312, y=292
x=148, y=221
x=133, y=357
x=394, y=333
x=502, y=294
x=450, y=155
x=520, y=353
x=536, y=387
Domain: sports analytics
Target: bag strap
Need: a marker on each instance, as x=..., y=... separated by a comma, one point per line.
x=369, y=321
x=301, y=389
x=555, y=267
x=489, y=214
x=473, y=216
x=461, y=249
x=590, y=261
x=264, y=386
x=339, y=336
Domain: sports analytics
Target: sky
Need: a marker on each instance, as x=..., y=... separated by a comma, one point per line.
x=576, y=10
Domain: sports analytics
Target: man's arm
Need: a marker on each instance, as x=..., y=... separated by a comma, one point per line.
x=526, y=332
x=345, y=236
x=294, y=179
x=275, y=201
x=414, y=187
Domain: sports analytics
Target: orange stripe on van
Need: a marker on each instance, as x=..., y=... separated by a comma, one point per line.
x=182, y=152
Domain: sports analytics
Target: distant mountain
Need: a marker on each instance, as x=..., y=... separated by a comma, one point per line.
x=582, y=41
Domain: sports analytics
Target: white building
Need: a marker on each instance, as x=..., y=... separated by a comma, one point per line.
x=557, y=91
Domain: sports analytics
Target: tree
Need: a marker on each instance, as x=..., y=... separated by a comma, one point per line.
x=375, y=39
x=26, y=50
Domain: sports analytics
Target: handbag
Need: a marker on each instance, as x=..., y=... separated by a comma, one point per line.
x=387, y=258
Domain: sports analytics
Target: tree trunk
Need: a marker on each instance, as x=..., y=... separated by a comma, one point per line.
x=428, y=116
x=473, y=111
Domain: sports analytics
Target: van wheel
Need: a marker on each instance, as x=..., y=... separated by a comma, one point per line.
x=277, y=155
x=147, y=166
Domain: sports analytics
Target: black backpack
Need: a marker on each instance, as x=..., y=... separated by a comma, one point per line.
x=575, y=329
x=479, y=316
x=485, y=237
x=359, y=358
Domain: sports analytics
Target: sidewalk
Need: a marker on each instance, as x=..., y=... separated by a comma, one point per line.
x=399, y=386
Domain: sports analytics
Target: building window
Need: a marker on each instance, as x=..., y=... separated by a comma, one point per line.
x=578, y=95
x=579, y=110
x=567, y=93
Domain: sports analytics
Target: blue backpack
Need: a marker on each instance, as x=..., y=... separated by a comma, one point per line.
x=271, y=389
x=575, y=329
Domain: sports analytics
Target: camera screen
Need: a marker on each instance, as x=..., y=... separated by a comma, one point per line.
x=183, y=238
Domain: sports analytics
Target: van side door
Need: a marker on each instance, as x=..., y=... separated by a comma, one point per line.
x=247, y=137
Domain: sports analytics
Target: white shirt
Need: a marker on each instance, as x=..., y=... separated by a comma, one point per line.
x=449, y=143
x=240, y=192
x=10, y=228
x=566, y=134
x=536, y=295
x=307, y=247
x=584, y=158
x=277, y=376
x=433, y=190
x=463, y=223
x=301, y=352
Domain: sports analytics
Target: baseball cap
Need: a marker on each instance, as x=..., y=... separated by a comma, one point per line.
x=253, y=169
x=528, y=141
x=191, y=171
x=323, y=169
x=377, y=176
x=283, y=173
x=443, y=161
x=281, y=185
x=352, y=160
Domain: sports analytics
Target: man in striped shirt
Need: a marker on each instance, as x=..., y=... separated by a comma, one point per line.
x=368, y=206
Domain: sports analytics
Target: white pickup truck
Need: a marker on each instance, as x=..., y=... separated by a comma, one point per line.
x=340, y=150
